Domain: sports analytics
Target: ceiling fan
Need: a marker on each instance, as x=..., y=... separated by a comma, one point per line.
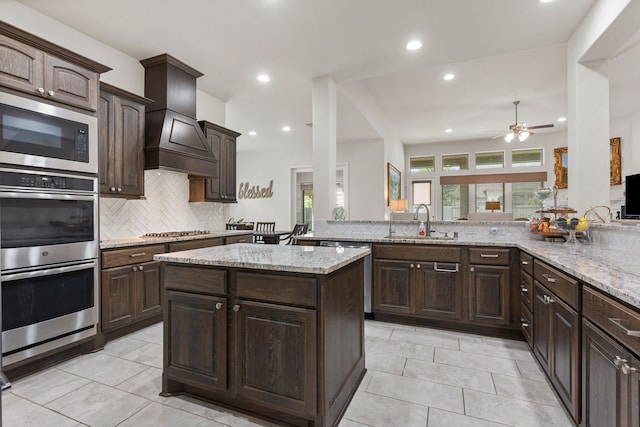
x=521, y=130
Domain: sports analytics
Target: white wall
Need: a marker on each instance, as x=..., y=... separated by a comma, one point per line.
x=365, y=160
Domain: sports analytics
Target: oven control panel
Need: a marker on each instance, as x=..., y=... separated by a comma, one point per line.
x=45, y=181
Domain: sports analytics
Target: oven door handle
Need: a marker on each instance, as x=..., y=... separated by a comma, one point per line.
x=48, y=271
x=51, y=196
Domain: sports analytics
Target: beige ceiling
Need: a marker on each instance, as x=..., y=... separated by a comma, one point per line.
x=500, y=50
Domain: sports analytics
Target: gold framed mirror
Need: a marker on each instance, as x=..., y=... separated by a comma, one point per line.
x=561, y=167
x=615, y=157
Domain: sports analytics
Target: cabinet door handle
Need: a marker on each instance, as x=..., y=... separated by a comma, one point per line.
x=446, y=270
x=51, y=93
x=140, y=267
x=236, y=308
x=619, y=361
x=134, y=268
x=629, y=332
x=41, y=90
x=119, y=189
x=472, y=269
x=524, y=288
x=410, y=265
x=549, y=278
x=137, y=255
x=626, y=369
x=113, y=189
x=417, y=265
x=219, y=306
x=524, y=262
x=547, y=300
x=489, y=255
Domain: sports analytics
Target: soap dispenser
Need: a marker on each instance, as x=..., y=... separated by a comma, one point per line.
x=421, y=230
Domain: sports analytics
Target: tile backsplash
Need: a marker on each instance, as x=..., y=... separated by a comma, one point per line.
x=165, y=208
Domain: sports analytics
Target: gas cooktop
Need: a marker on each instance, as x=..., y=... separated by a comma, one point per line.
x=177, y=233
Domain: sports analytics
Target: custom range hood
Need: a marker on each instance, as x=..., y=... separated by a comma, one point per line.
x=173, y=138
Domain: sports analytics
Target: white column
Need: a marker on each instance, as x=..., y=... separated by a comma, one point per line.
x=324, y=117
x=588, y=136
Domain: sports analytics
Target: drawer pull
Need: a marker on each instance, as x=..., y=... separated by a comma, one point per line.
x=524, y=288
x=525, y=324
x=549, y=278
x=523, y=262
x=137, y=255
x=446, y=270
x=546, y=300
x=489, y=255
x=629, y=332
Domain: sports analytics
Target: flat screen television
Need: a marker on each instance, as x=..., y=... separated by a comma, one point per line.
x=632, y=196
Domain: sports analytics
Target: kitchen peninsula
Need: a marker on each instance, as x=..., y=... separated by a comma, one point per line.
x=273, y=330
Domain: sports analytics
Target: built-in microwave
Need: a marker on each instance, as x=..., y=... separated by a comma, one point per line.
x=36, y=134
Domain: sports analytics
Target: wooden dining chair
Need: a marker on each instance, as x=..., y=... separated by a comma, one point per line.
x=298, y=229
x=263, y=227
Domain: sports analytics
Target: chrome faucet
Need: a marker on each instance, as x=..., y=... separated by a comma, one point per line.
x=428, y=225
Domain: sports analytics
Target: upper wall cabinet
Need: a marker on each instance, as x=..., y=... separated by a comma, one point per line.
x=34, y=66
x=121, y=142
x=221, y=187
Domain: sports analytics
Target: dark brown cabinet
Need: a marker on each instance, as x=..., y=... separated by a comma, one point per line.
x=557, y=333
x=526, y=295
x=121, y=142
x=610, y=362
x=221, y=186
x=429, y=286
x=288, y=336
x=491, y=299
x=201, y=361
x=130, y=286
x=29, y=69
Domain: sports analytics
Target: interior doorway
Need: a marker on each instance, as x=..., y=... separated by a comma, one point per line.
x=302, y=197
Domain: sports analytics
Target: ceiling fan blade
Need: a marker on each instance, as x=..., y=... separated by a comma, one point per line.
x=540, y=126
x=498, y=136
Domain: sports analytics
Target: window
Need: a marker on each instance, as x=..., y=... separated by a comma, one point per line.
x=421, y=192
x=524, y=202
x=490, y=160
x=455, y=162
x=422, y=164
x=529, y=157
x=487, y=193
x=455, y=201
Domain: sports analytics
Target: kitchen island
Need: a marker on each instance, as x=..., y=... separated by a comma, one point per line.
x=276, y=331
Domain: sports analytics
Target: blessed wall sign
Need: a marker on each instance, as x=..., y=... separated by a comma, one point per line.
x=255, y=192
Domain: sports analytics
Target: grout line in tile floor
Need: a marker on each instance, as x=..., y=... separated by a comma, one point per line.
x=423, y=392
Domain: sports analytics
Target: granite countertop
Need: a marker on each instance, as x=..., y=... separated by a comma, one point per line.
x=617, y=273
x=290, y=258
x=136, y=241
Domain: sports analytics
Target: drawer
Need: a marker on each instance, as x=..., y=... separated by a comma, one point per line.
x=277, y=288
x=245, y=238
x=526, y=324
x=615, y=318
x=490, y=256
x=194, y=244
x=208, y=281
x=526, y=289
x=135, y=255
x=564, y=286
x=526, y=262
x=418, y=252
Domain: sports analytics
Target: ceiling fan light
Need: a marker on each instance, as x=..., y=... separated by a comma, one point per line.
x=509, y=137
x=523, y=136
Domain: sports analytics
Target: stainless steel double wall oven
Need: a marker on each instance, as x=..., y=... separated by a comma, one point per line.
x=49, y=234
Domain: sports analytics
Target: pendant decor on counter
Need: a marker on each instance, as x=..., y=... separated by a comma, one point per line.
x=255, y=192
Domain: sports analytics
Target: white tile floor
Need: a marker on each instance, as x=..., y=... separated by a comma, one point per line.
x=416, y=377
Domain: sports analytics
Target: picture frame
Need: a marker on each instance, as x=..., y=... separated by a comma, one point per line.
x=393, y=183
x=615, y=160
x=561, y=167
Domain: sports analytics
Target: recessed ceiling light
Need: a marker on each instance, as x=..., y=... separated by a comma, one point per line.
x=546, y=1
x=562, y=119
x=449, y=130
x=449, y=76
x=263, y=78
x=414, y=45
x=286, y=128
x=252, y=133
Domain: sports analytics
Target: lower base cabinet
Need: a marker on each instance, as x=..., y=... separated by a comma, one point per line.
x=287, y=346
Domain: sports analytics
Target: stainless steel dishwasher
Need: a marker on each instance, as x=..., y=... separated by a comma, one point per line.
x=367, y=270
